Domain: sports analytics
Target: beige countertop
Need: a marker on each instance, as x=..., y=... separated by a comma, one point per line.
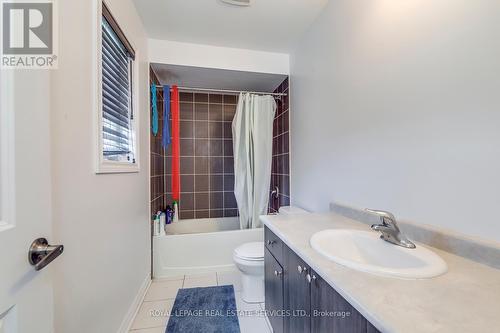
x=465, y=299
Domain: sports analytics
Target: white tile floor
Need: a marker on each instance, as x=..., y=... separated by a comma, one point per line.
x=152, y=316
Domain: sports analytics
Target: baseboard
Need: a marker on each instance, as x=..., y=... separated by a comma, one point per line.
x=134, y=307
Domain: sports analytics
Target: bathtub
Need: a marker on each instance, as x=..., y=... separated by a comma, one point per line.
x=200, y=246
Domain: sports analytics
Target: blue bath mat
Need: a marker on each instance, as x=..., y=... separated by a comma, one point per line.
x=207, y=310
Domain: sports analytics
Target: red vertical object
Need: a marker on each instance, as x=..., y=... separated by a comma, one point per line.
x=176, y=188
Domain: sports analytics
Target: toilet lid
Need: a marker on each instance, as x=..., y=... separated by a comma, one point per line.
x=250, y=251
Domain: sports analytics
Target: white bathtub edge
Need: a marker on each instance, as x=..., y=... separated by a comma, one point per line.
x=186, y=254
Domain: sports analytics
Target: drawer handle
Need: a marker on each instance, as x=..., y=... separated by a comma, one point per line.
x=310, y=278
x=301, y=269
x=271, y=242
x=278, y=273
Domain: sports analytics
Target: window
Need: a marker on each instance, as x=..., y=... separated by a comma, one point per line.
x=118, y=137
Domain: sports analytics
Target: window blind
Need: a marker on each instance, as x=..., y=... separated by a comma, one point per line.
x=117, y=103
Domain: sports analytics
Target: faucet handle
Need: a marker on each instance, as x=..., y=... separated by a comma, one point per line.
x=389, y=229
x=381, y=213
x=387, y=218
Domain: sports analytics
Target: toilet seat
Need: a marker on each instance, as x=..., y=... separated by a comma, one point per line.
x=253, y=251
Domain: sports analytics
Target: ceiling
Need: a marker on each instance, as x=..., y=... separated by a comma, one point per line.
x=197, y=77
x=267, y=25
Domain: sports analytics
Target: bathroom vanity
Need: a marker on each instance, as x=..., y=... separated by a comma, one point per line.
x=306, y=291
x=299, y=300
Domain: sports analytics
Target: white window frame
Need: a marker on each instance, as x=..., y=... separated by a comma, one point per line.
x=103, y=166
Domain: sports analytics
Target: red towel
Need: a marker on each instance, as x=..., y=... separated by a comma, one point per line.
x=176, y=186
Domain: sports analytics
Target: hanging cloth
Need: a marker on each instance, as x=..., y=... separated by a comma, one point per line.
x=262, y=119
x=243, y=185
x=175, y=144
x=252, y=145
x=165, y=140
x=154, y=115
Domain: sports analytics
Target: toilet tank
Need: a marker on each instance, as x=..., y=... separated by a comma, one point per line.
x=291, y=210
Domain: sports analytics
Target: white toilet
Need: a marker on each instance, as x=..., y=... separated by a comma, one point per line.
x=249, y=258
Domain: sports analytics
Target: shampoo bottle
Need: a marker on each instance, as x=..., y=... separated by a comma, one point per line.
x=170, y=214
x=162, y=223
x=176, y=212
x=156, y=224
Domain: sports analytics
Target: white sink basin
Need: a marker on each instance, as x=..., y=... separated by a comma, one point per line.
x=365, y=251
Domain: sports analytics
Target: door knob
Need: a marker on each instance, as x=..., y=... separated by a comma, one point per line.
x=278, y=273
x=41, y=253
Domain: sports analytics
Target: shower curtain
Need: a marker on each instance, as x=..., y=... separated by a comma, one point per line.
x=252, y=143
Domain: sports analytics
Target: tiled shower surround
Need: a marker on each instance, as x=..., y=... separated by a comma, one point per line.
x=206, y=162
x=280, y=174
x=157, y=158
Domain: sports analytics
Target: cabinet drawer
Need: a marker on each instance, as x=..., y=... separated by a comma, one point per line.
x=273, y=244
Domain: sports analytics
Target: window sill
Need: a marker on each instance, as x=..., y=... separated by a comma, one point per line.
x=117, y=167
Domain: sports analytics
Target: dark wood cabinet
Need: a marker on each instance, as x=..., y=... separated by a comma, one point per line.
x=274, y=244
x=330, y=312
x=310, y=304
x=370, y=328
x=274, y=291
x=296, y=294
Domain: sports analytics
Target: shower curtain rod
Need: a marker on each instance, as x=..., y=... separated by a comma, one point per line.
x=228, y=91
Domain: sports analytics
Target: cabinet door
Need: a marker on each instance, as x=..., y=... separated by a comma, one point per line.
x=274, y=291
x=371, y=329
x=330, y=312
x=297, y=294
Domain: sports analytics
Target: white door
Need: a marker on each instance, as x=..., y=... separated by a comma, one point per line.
x=26, y=297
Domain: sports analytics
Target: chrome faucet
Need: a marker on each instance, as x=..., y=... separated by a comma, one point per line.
x=389, y=229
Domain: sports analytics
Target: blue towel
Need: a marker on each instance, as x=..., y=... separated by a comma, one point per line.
x=166, y=117
x=154, y=116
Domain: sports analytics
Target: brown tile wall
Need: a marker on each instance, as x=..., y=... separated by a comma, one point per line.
x=157, y=156
x=206, y=147
x=280, y=174
x=207, y=175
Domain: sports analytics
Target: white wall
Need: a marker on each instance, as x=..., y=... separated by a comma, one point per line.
x=101, y=219
x=198, y=55
x=396, y=105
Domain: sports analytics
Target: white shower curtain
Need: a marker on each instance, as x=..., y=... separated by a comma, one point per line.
x=252, y=144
